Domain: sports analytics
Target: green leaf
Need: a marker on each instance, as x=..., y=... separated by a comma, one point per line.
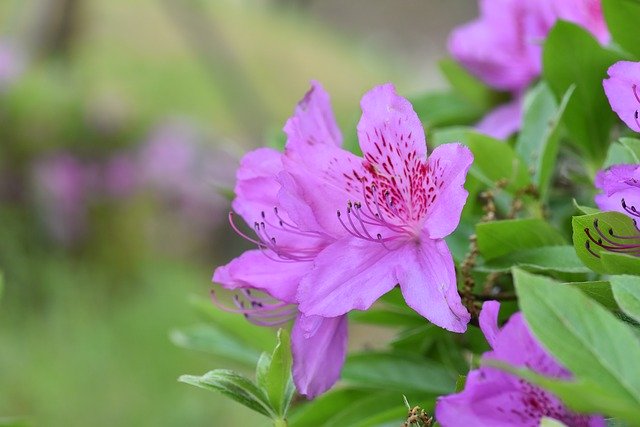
x=599, y=291
x=585, y=209
x=437, y=109
x=388, y=317
x=622, y=18
x=1, y=284
x=460, y=382
x=353, y=408
x=604, y=226
x=273, y=374
x=14, y=422
x=398, y=371
x=571, y=56
x=498, y=238
x=539, y=138
x=212, y=340
x=234, y=386
x=624, y=151
x=583, y=336
x=626, y=290
x=494, y=160
x=472, y=89
x=546, y=258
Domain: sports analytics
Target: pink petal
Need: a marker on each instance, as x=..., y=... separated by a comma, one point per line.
x=350, y=274
x=489, y=321
x=319, y=347
x=428, y=282
x=503, y=121
x=256, y=186
x=254, y=270
x=448, y=165
x=619, y=87
x=324, y=181
x=390, y=125
x=313, y=121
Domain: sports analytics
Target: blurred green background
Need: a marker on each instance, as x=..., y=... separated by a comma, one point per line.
x=120, y=126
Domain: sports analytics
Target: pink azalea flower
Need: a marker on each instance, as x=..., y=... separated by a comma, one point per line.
x=286, y=251
x=503, y=47
x=496, y=398
x=335, y=231
x=623, y=91
x=620, y=185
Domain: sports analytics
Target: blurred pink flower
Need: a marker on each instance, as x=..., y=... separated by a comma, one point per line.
x=623, y=91
x=11, y=63
x=186, y=173
x=503, y=47
x=120, y=176
x=63, y=185
x=493, y=397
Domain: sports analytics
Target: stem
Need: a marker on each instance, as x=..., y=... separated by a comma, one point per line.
x=280, y=422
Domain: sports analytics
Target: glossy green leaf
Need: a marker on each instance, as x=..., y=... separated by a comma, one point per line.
x=539, y=138
x=572, y=56
x=494, y=160
x=437, y=109
x=234, y=386
x=623, y=151
x=387, y=317
x=551, y=422
x=273, y=374
x=398, y=371
x=622, y=18
x=583, y=336
x=472, y=89
x=626, y=290
x=547, y=258
x=498, y=238
x=599, y=291
x=212, y=340
x=588, y=230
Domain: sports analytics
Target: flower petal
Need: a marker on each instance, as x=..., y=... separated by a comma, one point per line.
x=428, y=282
x=254, y=270
x=503, y=121
x=319, y=347
x=325, y=182
x=489, y=321
x=448, y=166
x=256, y=187
x=350, y=274
x=623, y=91
x=313, y=121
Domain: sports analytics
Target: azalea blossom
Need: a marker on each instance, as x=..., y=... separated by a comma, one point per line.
x=497, y=398
x=623, y=91
x=286, y=251
x=335, y=231
x=503, y=47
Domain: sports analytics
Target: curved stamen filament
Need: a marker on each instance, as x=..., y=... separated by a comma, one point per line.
x=624, y=247
x=631, y=210
x=635, y=114
x=261, y=311
x=268, y=244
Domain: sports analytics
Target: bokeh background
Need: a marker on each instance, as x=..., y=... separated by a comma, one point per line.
x=121, y=124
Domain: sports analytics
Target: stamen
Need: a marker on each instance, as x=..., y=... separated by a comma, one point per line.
x=631, y=210
x=262, y=311
x=608, y=244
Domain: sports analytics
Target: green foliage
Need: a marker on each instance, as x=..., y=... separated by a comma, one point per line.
x=398, y=371
x=539, y=138
x=499, y=238
x=468, y=86
x=269, y=395
x=622, y=17
x=604, y=226
x=600, y=350
x=588, y=116
x=623, y=151
x=626, y=290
